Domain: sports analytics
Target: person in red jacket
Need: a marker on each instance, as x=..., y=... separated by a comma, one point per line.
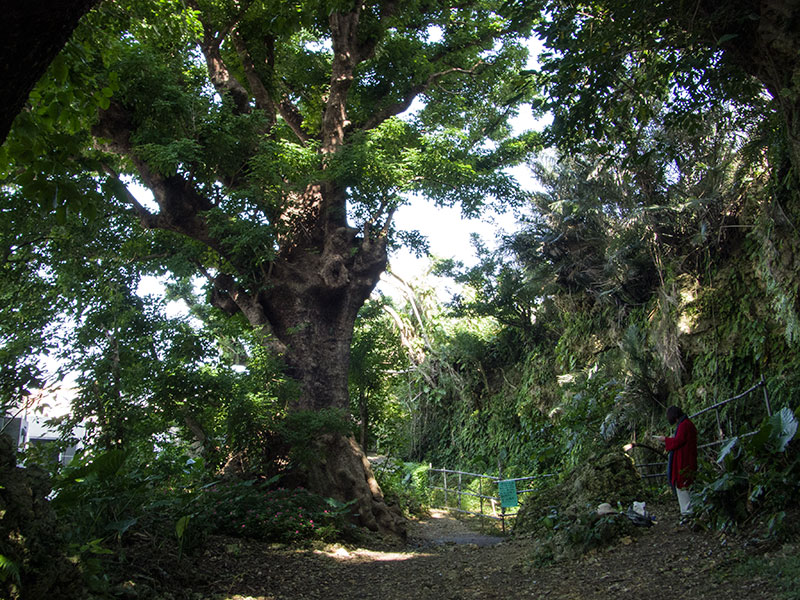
x=682, y=462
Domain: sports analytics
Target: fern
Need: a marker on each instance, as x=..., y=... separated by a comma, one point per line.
x=9, y=569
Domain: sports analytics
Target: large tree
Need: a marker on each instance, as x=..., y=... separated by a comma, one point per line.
x=269, y=135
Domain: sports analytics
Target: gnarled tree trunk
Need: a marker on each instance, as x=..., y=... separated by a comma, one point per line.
x=311, y=301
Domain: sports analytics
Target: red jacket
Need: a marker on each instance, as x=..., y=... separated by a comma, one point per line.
x=683, y=454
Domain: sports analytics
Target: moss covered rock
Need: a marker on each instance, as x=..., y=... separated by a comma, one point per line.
x=563, y=518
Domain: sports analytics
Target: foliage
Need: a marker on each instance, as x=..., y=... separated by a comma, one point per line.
x=637, y=281
x=256, y=509
x=563, y=536
x=405, y=484
x=757, y=480
x=105, y=495
x=376, y=360
x=33, y=548
x=9, y=570
x=612, y=70
x=103, y=499
x=563, y=516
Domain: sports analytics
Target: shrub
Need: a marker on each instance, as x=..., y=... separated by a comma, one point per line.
x=757, y=480
x=33, y=561
x=254, y=509
x=104, y=498
x=563, y=535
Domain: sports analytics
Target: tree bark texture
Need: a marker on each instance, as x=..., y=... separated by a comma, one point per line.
x=347, y=472
x=32, y=34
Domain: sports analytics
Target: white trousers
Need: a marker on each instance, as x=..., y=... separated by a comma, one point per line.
x=685, y=501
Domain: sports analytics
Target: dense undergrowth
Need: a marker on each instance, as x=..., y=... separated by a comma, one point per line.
x=106, y=503
x=615, y=301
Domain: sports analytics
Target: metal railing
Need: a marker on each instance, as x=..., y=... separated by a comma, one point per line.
x=455, y=486
x=715, y=407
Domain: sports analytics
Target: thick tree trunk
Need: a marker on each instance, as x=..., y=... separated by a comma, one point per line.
x=310, y=303
x=363, y=415
x=344, y=473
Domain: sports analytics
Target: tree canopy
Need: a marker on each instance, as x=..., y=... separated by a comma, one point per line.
x=269, y=138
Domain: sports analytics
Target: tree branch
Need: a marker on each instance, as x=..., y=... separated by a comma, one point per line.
x=180, y=205
x=293, y=118
x=220, y=76
x=230, y=297
x=398, y=107
x=344, y=39
x=147, y=219
x=263, y=98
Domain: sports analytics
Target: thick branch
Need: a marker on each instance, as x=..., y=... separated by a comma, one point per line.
x=293, y=118
x=263, y=98
x=230, y=297
x=344, y=39
x=365, y=48
x=218, y=72
x=147, y=219
x=180, y=205
x=439, y=57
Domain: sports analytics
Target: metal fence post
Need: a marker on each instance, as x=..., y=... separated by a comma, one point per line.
x=502, y=508
x=766, y=395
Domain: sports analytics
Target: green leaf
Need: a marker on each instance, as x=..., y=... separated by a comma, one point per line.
x=60, y=70
x=727, y=449
x=727, y=38
x=108, y=464
x=8, y=568
x=180, y=526
x=121, y=527
x=761, y=438
x=784, y=428
x=95, y=547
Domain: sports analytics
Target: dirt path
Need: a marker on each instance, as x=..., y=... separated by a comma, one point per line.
x=445, y=560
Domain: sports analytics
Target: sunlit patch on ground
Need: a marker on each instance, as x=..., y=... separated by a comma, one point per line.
x=363, y=555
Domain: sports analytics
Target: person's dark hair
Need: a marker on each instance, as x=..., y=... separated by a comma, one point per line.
x=674, y=414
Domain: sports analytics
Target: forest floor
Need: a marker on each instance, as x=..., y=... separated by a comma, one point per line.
x=449, y=559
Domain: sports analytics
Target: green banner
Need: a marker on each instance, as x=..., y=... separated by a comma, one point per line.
x=508, y=493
